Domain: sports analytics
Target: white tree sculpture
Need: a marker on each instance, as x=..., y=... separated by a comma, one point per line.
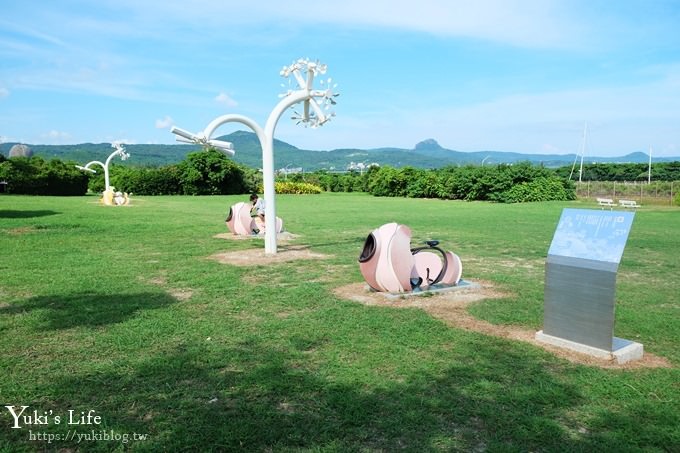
x=315, y=113
x=120, y=151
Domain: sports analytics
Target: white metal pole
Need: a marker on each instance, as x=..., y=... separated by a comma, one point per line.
x=583, y=151
x=118, y=151
x=107, y=184
x=268, y=168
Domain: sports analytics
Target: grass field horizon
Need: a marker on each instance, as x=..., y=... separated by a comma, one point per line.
x=121, y=311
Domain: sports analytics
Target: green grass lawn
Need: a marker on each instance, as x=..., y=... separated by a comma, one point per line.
x=118, y=310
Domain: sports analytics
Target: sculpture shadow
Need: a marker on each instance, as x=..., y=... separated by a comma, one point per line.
x=86, y=309
x=18, y=214
x=254, y=397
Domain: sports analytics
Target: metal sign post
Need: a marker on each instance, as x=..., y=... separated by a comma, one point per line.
x=580, y=284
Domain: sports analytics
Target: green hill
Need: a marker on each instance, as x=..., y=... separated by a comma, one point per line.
x=426, y=154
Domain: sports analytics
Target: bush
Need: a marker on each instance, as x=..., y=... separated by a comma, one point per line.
x=35, y=176
x=297, y=188
x=501, y=183
x=340, y=182
x=387, y=182
x=540, y=189
x=211, y=173
x=202, y=173
x=148, y=181
x=428, y=185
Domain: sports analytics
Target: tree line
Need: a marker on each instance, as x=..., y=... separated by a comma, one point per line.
x=212, y=173
x=505, y=183
x=36, y=176
x=201, y=173
x=662, y=171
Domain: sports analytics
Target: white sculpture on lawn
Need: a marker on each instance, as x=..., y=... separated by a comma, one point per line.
x=109, y=197
x=315, y=112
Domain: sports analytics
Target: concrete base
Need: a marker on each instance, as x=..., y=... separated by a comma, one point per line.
x=623, y=350
x=434, y=289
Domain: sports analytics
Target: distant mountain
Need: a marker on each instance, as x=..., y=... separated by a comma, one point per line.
x=428, y=145
x=425, y=154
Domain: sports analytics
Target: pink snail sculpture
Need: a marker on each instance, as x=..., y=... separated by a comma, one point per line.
x=389, y=264
x=241, y=223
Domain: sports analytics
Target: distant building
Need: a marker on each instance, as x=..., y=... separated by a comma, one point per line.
x=361, y=166
x=290, y=171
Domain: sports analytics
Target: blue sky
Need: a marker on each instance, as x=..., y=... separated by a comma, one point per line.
x=508, y=75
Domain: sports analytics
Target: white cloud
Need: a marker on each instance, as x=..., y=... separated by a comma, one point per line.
x=245, y=56
x=225, y=99
x=58, y=134
x=55, y=136
x=164, y=123
x=621, y=119
x=524, y=23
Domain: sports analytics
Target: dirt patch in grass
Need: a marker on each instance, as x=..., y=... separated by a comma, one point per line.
x=182, y=293
x=161, y=280
x=21, y=230
x=284, y=236
x=316, y=272
x=451, y=307
x=7, y=294
x=253, y=257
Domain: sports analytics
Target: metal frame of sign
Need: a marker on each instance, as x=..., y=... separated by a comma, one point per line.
x=580, y=276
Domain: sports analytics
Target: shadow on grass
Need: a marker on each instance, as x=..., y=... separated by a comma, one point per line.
x=255, y=398
x=16, y=214
x=88, y=309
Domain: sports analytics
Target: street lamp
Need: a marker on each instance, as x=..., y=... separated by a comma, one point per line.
x=315, y=113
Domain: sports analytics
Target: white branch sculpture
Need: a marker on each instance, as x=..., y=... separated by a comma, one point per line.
x=120, y=151
x=315, y=112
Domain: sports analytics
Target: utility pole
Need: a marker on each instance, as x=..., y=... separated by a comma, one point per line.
x=583, y=151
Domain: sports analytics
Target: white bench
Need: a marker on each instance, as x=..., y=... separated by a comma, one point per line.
x=605, y=202
x=628, y=204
